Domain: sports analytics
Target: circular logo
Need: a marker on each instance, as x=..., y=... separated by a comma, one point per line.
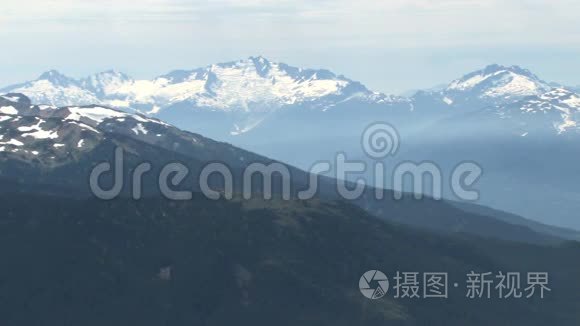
x=373, y=284
x=380, y=140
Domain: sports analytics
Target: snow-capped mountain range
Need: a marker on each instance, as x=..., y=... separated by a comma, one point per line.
x=245, y=94
x=253, y=84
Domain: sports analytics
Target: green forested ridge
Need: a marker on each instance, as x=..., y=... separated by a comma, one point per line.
x=201, y=262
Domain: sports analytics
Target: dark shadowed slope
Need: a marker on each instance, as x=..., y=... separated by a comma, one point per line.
x=201, y=262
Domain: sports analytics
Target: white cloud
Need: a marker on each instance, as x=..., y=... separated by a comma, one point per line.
x=404, y=23
x=155, y=35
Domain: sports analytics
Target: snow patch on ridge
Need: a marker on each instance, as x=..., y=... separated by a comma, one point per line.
x=35, y=131
x=8, y=110
x=139, y=129
x=96, y=114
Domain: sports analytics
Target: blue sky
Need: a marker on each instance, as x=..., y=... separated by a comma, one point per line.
x=391, y=46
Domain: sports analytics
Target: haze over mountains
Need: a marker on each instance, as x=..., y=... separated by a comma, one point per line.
x=74, y=259
x=522, y=130
x=56, y=148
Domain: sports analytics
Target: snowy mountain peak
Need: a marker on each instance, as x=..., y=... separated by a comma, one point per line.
x=56, y=78
x=110, y=75
x=495, y=84
x=104, y=82
x=259, y=59
x=262, y=65
x=496, y=68
x=500, y=76
x=54, y=88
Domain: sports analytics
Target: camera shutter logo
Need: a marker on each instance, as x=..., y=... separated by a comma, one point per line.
x=373, y=284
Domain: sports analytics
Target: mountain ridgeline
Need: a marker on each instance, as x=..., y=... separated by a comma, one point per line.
x=253, y=92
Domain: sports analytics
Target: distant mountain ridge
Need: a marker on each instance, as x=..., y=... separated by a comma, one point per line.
x=246, y=91
x=244, y=94
x=499, y=83
x=250, y=84
x=492, y=85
